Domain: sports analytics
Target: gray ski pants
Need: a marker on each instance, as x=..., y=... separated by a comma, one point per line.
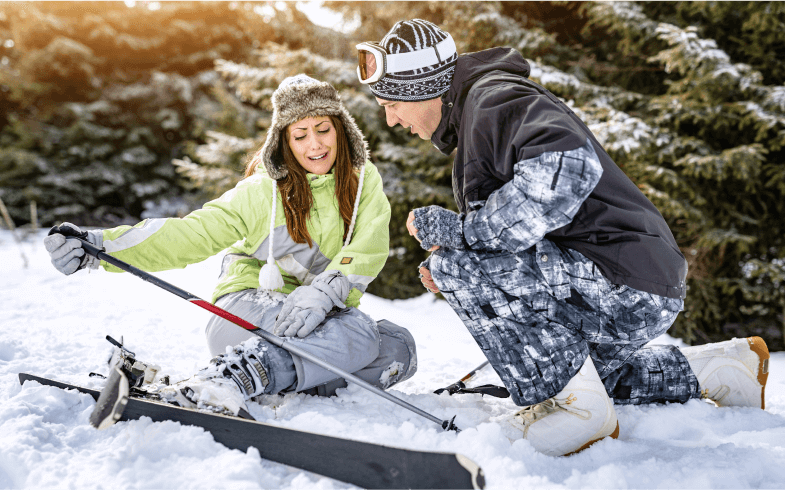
x=539, y=313
x=380, y=353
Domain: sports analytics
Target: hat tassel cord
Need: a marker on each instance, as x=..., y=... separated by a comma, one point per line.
x=270, y=276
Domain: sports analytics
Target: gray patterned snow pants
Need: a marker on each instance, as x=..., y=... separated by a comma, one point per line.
x=537, y=331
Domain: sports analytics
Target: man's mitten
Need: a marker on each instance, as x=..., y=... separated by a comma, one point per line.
x=438, y=226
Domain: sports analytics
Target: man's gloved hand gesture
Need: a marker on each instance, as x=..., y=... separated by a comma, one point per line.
x=434, y=227
x=66, y=251
x=307, y=306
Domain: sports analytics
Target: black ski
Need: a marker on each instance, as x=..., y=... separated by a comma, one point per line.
x=359, y=463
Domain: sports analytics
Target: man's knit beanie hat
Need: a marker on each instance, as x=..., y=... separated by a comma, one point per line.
x=296, y=98
x=421, y=84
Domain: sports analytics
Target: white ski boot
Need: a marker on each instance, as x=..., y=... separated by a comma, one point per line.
x=731, y=373
x=223, y=386
x=577, y=417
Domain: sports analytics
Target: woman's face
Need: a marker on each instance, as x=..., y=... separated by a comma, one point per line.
x=314, y=143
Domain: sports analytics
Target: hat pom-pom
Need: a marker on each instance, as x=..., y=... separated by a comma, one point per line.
x=270, y=277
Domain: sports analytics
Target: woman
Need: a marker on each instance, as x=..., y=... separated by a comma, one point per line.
x=306, y=232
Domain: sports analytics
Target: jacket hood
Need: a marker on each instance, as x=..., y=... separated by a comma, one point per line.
x=470, y=68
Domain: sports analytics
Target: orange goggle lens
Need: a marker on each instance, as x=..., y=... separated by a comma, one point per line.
x=367, y=63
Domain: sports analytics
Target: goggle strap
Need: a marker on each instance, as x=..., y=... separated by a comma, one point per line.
x=423, y=58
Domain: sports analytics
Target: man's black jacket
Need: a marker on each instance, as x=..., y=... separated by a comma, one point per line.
x=496, y=117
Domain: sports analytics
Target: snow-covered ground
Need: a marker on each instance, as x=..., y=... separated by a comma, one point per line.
x=54, y=326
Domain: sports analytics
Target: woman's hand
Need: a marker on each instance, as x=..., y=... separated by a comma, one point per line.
x=65, y=250
x=307, y=306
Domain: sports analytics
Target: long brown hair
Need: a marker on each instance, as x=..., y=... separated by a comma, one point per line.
x=296, y=191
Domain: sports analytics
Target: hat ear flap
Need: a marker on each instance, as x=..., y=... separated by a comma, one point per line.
x=270, y=276
x=358, y=147
x=272, y=153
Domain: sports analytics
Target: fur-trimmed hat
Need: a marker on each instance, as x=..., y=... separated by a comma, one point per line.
x=297, y=98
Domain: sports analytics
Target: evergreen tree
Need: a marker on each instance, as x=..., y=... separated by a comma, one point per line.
x=98, y=97
x=687, y=97
x=711, y=164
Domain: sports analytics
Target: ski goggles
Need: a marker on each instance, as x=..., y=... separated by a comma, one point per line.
x=374, y=61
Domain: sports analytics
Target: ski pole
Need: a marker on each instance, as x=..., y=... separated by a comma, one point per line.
x=273, y=339
x=461, y=383
x=460, y=386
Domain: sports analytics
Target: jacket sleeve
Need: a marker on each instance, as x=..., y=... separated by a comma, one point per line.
x=173, y=243
x=554, y=169
x=367, y=252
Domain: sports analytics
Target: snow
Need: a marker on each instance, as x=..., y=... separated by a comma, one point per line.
x=620, y=131
x=54, y=326
x=548, y=75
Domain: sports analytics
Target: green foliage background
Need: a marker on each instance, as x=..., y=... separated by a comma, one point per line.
x=110, y=113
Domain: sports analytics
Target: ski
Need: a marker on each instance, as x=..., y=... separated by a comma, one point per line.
x=110, y=405
x=363, y=464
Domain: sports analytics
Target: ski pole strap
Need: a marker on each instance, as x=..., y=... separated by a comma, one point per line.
x=452, y=389
x=492, y=390
x=460, y=388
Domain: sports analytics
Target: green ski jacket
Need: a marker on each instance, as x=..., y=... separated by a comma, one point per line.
x=239, y=222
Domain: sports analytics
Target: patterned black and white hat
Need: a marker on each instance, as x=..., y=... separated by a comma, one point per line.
x=420, y=84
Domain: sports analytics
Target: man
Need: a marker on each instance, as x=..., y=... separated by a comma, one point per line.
x=557, y=264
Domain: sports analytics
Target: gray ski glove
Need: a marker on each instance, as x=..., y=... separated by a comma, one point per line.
x=66, y=251
x=438, y=226
x=307, y=306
